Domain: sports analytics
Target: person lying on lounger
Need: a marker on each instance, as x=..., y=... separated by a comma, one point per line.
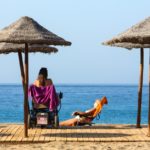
x=87, y=116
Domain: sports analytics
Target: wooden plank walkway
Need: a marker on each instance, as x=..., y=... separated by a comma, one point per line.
x=10, y=133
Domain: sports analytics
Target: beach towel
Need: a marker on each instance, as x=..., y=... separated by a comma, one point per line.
x=44, y=95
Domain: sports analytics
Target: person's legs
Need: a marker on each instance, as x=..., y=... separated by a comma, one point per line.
x=70, y=122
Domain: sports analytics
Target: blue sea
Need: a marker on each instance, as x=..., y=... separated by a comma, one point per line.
x=121, y=108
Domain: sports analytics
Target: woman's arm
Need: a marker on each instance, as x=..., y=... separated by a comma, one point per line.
x=87, y=113
x=36, y=83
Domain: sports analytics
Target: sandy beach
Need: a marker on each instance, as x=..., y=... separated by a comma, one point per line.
x=79, y=146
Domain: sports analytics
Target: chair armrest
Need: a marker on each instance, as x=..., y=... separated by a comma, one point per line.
x=87, y=116
x=60, y=95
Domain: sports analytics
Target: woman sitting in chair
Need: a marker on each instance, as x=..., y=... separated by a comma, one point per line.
x=87, y=116
x=43, y=92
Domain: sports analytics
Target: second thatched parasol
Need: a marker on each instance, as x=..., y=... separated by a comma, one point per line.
x=138, y=36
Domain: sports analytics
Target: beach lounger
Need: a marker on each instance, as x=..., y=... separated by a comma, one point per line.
x=88, y=120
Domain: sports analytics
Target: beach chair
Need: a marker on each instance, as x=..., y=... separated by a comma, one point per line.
x=39, y=115
x=88, y=120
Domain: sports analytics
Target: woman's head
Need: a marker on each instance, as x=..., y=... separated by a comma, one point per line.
x=44, y=72
x=41, y=80
x=42, y=76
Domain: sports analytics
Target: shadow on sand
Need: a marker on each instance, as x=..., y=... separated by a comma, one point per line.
x=101, y=127
x=89, y=135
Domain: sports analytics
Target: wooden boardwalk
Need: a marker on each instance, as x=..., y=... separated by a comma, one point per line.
x=98, y=133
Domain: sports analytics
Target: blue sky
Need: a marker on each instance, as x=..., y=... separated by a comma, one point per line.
x=86, y=23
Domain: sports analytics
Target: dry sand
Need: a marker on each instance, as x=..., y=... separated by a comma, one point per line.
x=79, y=146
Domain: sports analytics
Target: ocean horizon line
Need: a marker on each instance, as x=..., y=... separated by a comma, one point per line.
x=83, y=84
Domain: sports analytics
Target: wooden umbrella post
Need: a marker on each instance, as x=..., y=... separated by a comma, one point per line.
x=149, y=100
x=26, y=92
x=21, y=69
x=138, y=125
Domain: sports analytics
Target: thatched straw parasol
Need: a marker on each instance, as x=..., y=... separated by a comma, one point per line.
x=138, y=36
x=27, y=31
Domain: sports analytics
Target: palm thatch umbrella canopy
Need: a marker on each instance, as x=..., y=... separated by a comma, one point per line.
x=138, y=36
x=6, y=48
x=27, y=31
